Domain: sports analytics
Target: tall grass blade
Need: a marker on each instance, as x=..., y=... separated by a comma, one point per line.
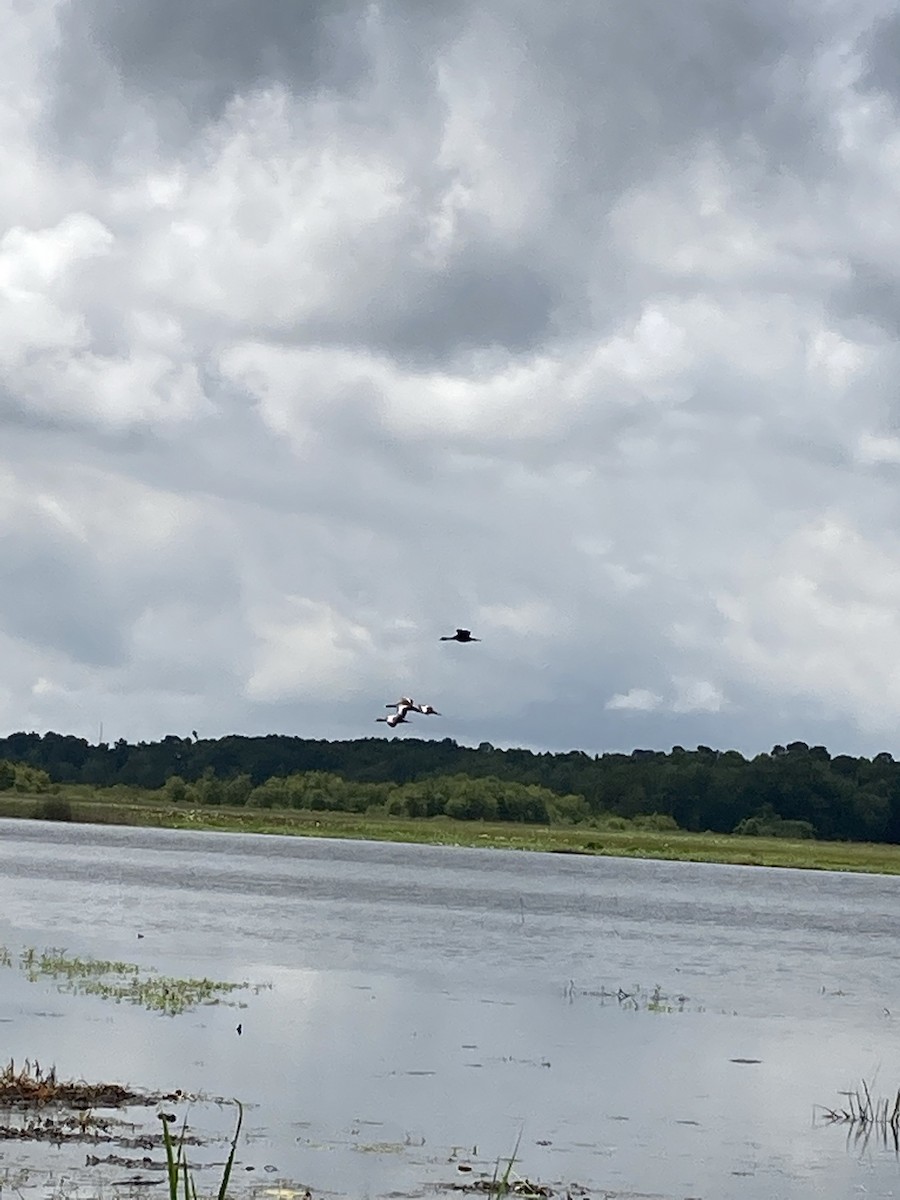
x=171, y=1161
x=223, y=1186
x=178, y=1170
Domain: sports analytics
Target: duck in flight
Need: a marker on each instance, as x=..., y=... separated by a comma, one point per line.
x=395, y=719
x=461, y=635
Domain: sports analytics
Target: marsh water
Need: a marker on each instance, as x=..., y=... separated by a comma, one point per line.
x=413, y=1014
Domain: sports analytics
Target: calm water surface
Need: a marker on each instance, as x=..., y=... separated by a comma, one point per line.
x=422, y=1007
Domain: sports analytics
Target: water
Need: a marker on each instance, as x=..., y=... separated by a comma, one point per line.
x=425, y=1007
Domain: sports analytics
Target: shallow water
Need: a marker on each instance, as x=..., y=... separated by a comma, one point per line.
x=429, y=1005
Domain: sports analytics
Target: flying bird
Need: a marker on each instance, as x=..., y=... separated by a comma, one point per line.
x=461, y=635
x=395, y=719
x=427, y=710
x=404, y=702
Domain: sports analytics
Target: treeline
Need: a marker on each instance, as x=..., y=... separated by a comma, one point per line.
x=701, y=789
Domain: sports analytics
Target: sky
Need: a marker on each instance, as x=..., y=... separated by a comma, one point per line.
x=326, y=328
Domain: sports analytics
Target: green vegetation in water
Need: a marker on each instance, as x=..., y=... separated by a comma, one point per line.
x=179, y=1173
x=121, y=982
x=505, y=1183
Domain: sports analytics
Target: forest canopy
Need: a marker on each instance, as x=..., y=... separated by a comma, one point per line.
x=795, y=790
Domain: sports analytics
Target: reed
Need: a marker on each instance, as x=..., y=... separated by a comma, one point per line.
x=500, y=1185
x=178, y=1172
x=865, y=1114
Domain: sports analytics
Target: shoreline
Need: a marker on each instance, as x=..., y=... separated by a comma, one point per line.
x=585, y=841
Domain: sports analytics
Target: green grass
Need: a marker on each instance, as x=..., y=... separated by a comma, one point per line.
x=132, y=807
x=121, y=982
x=177, y=1168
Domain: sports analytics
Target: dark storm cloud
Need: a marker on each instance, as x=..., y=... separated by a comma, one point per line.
x=181, y=62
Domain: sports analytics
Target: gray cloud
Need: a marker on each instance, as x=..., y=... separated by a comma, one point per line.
x=170, y=70
x=326, y=329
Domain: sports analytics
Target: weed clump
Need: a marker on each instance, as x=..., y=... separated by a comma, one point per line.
x=865, y=1115
x=32, y=1087
x=121, y=982
x=54, y=808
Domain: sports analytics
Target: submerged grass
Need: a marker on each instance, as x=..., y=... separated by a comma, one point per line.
x=121, y=982
x=146, y=810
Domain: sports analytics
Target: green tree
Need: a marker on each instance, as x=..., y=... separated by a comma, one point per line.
x=175, y=790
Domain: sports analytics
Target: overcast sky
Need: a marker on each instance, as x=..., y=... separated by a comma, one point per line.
x=326, y=328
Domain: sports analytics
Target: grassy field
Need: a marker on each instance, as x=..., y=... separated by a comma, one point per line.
x=120, y=806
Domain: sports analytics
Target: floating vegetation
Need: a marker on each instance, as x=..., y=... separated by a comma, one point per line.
x=865, y=1115
x=635, y=998
x=516, y=1187
x=33, y=1087
x=38, y=1106
x=505, y=1183
x=121, y=982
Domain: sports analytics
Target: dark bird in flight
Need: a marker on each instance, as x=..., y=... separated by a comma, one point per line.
x=461, y=635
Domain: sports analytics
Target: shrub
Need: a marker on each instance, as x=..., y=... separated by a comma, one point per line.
x=54, y=808
x=661, y=822
x=766, y=822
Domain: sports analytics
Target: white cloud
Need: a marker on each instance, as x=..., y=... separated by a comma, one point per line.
x=697, y=695
x=635, y=700
x=873, y=448
x=306, y=650
x=819, y=620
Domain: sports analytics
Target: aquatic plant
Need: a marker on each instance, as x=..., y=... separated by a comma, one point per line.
x=499, y=1187
x=865, y=1115
x=504, y=1184
x=177, y=1169
x=121, y=982
x=31, y=1086
x=635, y=998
